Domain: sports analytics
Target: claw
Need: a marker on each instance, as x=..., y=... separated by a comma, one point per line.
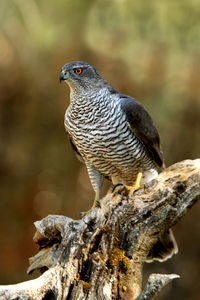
x=116, y=186
x=136, y=186
x=96, y=203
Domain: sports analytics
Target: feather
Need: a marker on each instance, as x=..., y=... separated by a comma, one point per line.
x=143, y=127
x=75, y=149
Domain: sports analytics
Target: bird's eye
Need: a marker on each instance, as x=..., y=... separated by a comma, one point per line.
x=78, y=71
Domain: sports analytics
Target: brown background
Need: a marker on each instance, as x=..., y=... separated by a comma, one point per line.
x=147, y=49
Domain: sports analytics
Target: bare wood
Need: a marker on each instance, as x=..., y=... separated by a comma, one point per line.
x=101, y=256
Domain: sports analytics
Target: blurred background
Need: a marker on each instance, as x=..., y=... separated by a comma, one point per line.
x=147, y=49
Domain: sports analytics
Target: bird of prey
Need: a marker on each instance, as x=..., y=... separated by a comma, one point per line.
x=111, y=133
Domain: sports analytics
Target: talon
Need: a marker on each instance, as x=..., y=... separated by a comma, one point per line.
x=116, y=186
x=136, y=186
x=96, y=203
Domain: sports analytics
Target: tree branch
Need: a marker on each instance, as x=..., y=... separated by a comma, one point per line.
x=155, y=284
x=101, y=256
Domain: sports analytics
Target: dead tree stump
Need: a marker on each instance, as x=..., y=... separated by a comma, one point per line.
x=101, y=256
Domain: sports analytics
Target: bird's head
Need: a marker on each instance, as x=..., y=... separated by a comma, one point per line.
x=80, y=75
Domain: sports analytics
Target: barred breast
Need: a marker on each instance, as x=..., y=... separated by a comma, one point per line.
x=103, y=138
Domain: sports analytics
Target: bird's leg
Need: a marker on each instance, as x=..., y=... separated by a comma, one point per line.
x=136, y=185
x=96, y=179
x=96, y=202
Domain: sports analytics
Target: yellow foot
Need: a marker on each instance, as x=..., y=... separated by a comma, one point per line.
x=136, y=186
x=96, y=203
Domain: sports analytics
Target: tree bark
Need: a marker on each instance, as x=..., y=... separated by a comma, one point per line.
x=101, y=256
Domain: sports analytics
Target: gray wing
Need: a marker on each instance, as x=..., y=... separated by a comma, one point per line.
x=143, y=127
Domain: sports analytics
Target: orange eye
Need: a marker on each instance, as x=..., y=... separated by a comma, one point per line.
x=78, y=71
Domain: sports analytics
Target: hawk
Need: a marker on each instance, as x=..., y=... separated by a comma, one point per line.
x=111, y=133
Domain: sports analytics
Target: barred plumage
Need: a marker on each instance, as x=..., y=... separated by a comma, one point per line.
x=104, y=138
x=99, y=129
x=113, y=135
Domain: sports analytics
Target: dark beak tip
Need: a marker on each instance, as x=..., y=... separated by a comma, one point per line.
x=61, y=77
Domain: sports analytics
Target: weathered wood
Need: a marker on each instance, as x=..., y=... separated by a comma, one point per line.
x=101, y=256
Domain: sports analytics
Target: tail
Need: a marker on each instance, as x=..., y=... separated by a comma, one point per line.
x=164, y=249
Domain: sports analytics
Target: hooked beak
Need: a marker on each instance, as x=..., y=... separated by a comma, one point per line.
x=64, y=75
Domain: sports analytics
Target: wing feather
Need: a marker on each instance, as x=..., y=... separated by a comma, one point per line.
x=143, y=127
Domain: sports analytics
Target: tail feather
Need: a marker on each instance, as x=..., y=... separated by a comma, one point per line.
x=164, y=249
